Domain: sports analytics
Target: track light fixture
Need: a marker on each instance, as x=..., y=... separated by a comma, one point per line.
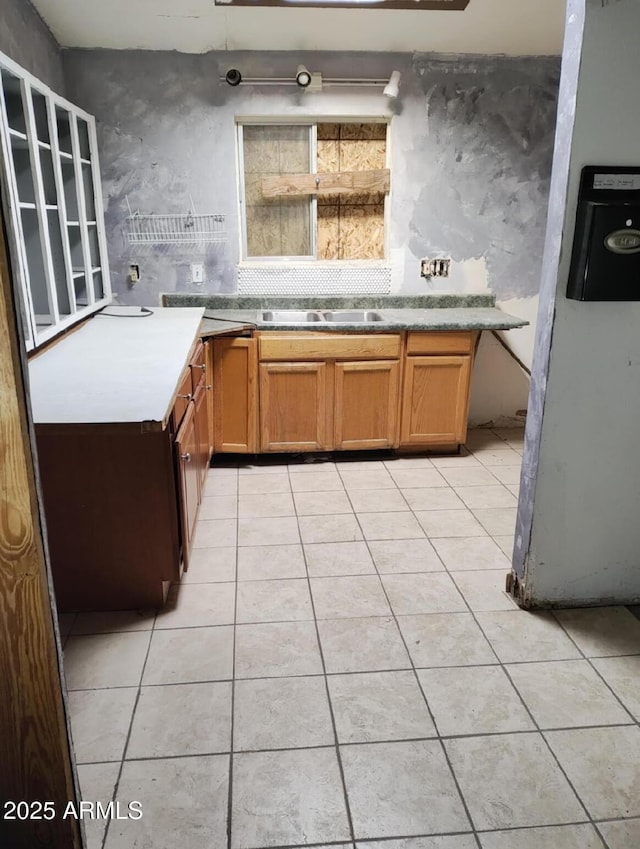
x=392, y=88
x=303, y=77
x=314, y=82
x=233, y=77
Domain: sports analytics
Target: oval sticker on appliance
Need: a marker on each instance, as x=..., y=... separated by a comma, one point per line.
x=623, y=241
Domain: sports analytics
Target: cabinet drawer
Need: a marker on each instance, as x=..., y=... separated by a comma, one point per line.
x=197, y=367
x=440, y=342
x=321, y=346
x=185, y=394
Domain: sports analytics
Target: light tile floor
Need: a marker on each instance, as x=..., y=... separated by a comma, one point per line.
x=342, y=666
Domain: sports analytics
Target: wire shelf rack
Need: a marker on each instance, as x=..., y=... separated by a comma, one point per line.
x=188, y=228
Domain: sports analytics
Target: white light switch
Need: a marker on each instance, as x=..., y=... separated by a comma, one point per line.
x=197, y=272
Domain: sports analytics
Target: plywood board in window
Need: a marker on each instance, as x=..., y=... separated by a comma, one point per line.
x=361, y=232
x=328, y=232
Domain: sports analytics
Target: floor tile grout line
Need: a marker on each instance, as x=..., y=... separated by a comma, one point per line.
x=328, y=694
x=428, y=707
x=436, y=736
x=473, y=614
x=532, y=718
x=596, y=670
x=130, y=729
x=233, y=684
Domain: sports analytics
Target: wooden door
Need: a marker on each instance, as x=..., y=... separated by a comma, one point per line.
x=295, y=409
x=235, y=370
x=36, y=758
x=435, y=400
x=186, y=448
x=366, y=404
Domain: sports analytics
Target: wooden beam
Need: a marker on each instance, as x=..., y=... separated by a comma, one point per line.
x=35, y=753
x=340, y=183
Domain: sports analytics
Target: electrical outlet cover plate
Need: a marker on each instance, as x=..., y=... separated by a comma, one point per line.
x=197, y=272
x=438, y=267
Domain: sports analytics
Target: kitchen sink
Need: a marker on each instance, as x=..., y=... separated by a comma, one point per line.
x=315, y=316
x=351, y=316
x=290, y=316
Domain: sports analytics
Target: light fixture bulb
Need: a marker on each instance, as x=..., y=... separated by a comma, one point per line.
x=392, y=87
x=303, y=77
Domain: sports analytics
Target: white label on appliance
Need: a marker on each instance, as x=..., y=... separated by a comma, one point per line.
x=617, y=182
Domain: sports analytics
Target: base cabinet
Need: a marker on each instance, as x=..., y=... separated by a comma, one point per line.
x=121, y=501
x=285, y=391
x=294, y=407
x=435, y=400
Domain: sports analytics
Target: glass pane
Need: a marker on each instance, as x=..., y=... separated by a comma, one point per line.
x=89, y=201
x=70, y=193
x=276, y=226
x=83, y=138
x=24, y=174
x=98, y=286
x=48, y=178
x=57, y=259
x=64, y=131
x=13, y=102
x=40, y=113
x=35, y=264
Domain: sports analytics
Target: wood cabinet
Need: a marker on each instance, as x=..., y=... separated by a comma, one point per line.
x=323, y=391
x=121, y=495
x=235, y=393
x=435, y=396
x=366, y=404
x=435, y=400
x=294, y=407
x=320, y=391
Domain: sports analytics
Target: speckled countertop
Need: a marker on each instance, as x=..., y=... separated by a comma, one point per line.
x=438, y=311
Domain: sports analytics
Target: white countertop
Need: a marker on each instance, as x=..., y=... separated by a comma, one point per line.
x=117, y=368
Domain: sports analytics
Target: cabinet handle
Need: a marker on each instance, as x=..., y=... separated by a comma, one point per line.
x=199, y=365
x=187, y=397
x=209, y=386
x=203, y=367
x=186, y=457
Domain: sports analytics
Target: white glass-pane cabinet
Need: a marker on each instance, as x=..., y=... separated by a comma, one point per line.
x=52, y=182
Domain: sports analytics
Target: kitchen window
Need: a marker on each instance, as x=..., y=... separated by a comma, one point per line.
x=289, y=214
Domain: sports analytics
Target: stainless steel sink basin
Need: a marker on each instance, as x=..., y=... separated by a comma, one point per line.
x=290, y=316
x=351, y=316
x=315, y=316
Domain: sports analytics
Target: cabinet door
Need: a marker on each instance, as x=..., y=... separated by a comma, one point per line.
x=366, y=403
x=235, y=368
x=202, y=434
x=294, y=407
x=435, y=400
x=186, y=448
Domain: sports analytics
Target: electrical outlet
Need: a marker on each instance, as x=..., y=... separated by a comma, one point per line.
x=134, y=274
x=197, y=273
x=435, y=267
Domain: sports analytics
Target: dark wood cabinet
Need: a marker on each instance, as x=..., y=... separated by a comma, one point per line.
x=121, y=499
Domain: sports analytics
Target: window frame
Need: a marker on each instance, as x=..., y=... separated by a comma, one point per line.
x=312, y=122
x=313, y=205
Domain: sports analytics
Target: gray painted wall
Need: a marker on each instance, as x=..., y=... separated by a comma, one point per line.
x=584, y=530
x=471, y=141
x=26, y=39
